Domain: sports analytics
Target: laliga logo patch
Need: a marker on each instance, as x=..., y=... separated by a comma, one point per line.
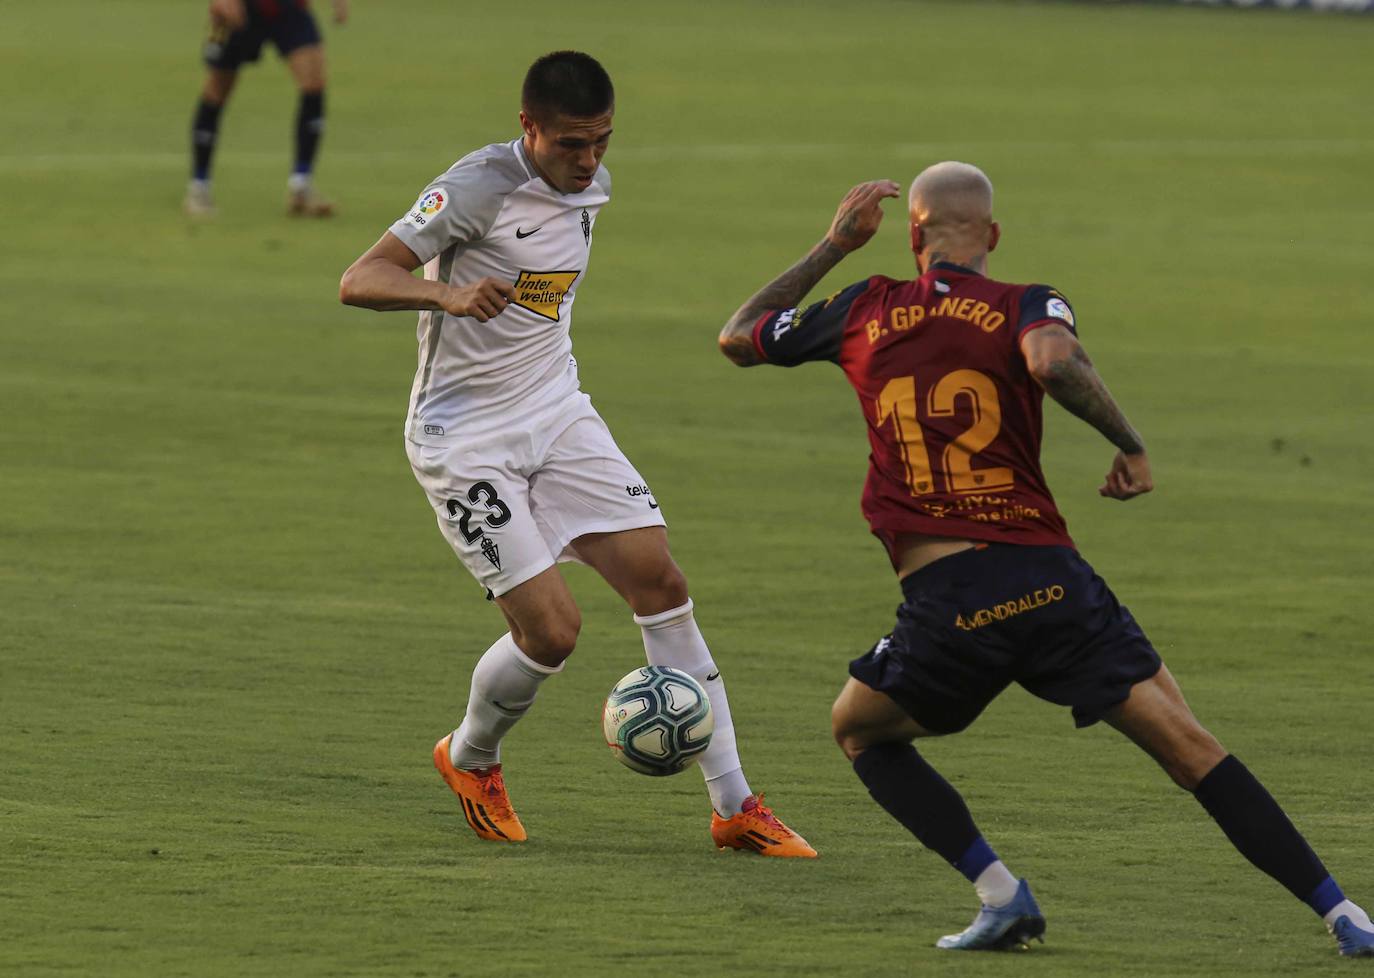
x=1059, y=309
x=429, y=205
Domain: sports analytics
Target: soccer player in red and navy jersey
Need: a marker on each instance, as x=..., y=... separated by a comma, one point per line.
x=950, y=369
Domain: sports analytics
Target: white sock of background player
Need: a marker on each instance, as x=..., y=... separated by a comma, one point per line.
x=672, y=638
x=504, y=685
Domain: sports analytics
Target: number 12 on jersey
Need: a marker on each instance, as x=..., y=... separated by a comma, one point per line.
x=899, y=401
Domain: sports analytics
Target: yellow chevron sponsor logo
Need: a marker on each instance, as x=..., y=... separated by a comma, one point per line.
x=542, y=292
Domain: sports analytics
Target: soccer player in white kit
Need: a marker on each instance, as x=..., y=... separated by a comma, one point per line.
x=520, y=469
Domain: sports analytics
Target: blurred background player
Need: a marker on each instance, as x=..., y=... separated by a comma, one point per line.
x=950, y=370
x=238, y=30
x=519, y=467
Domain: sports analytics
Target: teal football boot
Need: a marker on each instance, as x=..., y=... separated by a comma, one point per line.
x=1014, y=924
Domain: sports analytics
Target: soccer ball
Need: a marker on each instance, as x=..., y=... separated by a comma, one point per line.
x=657, y=720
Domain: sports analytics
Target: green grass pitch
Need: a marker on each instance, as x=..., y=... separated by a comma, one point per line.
x=230, y=633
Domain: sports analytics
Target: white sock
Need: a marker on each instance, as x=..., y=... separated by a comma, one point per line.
x=297, y=182
x=995, y=885
x=504, y=685
x=728, y=792
x=1347, y=909
x=198, y=184
x=672, y=638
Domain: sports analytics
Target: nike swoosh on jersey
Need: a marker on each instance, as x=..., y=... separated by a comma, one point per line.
x=652, y=504
x=714, y=675
x=525, y=234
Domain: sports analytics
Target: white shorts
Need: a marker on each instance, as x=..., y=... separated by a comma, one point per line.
x=510, y=502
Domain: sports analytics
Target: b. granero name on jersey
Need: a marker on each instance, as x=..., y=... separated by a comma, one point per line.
x=968, y=309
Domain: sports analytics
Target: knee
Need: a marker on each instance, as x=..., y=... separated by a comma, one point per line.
x=846, y=733
x=851, y=747
x=672, y=585
x=217, y=88
x=307, y=64
x=550, y=640
x=1193, y=757
x=663, y=589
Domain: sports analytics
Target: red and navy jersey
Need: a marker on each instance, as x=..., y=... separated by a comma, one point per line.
x=272, y=9
x=954, y=417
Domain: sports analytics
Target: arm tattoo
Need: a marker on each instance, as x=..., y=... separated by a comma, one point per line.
x=784, y=292
x=1074, y=383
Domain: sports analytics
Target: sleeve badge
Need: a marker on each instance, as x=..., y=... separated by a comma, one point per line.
x=1059, y=309
x=429, y=205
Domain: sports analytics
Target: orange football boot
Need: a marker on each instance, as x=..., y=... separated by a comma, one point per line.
x=483, y=794
x=306, y=203
x=757, y=829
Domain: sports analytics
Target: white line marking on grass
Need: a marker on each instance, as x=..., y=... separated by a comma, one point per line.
x=732, y=152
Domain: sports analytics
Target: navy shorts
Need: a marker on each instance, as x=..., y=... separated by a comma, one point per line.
x=978, y=620
x=289, y=25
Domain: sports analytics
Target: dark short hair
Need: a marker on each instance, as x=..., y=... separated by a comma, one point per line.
x=567, y=83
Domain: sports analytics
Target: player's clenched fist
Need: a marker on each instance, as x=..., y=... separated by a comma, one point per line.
x=481, y=300
x=1129, y=477
x=860, y=213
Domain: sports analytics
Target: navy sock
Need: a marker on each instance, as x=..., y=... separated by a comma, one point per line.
x=1259, y=829
x=1325, y=897
x=913, y=793
x=976, y=858
x=309, y=129
x=204, y=132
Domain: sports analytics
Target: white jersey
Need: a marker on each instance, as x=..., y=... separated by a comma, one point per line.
x=492, y=215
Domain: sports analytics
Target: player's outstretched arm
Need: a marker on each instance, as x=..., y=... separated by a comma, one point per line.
x=1060, y=365
x=382, y=279
x=855, y=223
